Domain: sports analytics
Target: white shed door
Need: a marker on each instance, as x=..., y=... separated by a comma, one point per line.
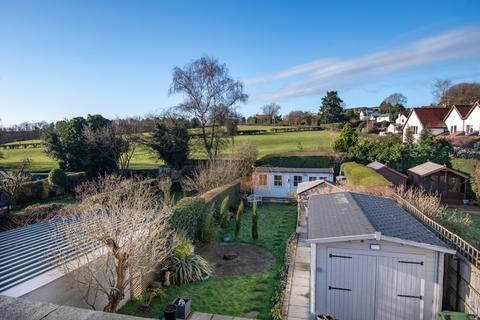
x=400, y=288
x=371, y=287
x=351, y=286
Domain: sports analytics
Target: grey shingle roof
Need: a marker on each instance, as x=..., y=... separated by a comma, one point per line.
x=336, y=215
x=351, y=214
x=307, y=185
x=293, y=170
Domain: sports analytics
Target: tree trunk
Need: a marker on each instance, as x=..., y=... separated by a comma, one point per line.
x=117, y=293
x=205, y=142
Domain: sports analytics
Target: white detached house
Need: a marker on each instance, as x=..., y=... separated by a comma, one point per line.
x=431, y=118
x=463, y=119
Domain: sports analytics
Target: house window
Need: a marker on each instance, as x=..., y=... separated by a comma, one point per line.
x=312, y=178
x=414, y=129
x=296, y=180
x=469, y=128
x=262, y=180
x=453, y=129
x=277, y=181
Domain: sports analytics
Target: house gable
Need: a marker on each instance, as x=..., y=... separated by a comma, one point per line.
x=454, y=121
x=473, y=119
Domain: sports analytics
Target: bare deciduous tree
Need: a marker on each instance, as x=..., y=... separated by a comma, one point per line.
x=119, y=233
x=271, y=110
x=440, y=88
x=211, y=174
x=218, y=172
x=12, y=182
x=245, y=154
x=396, y=99
x=208, y=90
x=116, y=142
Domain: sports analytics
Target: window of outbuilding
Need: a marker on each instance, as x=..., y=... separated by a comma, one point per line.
x=312, y=178
x=296, y=180
x=262, y=180
x=277, y=181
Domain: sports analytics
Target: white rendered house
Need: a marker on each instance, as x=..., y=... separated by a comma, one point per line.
x=463, y=119
x=401, y=119
x=279, y=182
x=430, y=118
x=383, y=117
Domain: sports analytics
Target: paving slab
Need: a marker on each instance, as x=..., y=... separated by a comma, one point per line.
x=220, y=317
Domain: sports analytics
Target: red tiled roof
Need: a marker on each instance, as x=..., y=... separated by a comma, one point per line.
x=464, y=109
x=431, y=117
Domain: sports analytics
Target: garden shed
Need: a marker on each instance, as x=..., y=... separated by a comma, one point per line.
x=449, y=184
x=370, y=259
x=392, y=175
x=281, y=182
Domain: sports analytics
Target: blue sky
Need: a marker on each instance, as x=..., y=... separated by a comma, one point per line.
x=65, y=58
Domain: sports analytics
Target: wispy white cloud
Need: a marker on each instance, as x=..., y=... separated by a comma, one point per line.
x=322, y=74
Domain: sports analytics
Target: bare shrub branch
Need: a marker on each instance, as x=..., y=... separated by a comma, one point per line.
x=119, y=232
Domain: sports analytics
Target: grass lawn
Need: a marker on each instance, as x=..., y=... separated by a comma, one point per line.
x=271, y=143
x=236, y=295
x=470, y=233
x=358, y=175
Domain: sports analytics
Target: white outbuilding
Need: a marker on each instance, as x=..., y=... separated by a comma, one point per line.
x=370, y=259
x=280, y=182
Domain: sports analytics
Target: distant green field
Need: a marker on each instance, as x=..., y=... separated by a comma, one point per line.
x=309, y=142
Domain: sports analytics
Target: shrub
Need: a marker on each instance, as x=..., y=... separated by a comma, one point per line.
x=187, y=216
x=188, y=268
x=32, y=191
x=346, y=140
x=427, y=203
x=216, y=196
x=361, y=176
x=223, y=218
x=74, y=179
x=238, y=221
x=210, y=230
x=38, y=212
x=254, y=221
x=184, y=249
x=57, y=178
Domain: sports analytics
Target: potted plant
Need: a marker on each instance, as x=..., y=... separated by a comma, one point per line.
x=184, y=307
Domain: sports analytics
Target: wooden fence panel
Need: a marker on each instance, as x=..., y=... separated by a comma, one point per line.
x=462, y=286
x=462, y=271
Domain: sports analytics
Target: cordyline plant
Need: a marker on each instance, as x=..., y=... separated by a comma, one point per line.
x=119, y=233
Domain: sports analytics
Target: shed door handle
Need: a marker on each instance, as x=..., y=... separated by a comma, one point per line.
x=336, y=288
x=409, y=296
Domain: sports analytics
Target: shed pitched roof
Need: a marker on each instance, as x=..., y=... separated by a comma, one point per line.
x=293, y=170
x=308, y=185
x=345, y=214
x=430, y=167
x=376, y=165
x=431, y=117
